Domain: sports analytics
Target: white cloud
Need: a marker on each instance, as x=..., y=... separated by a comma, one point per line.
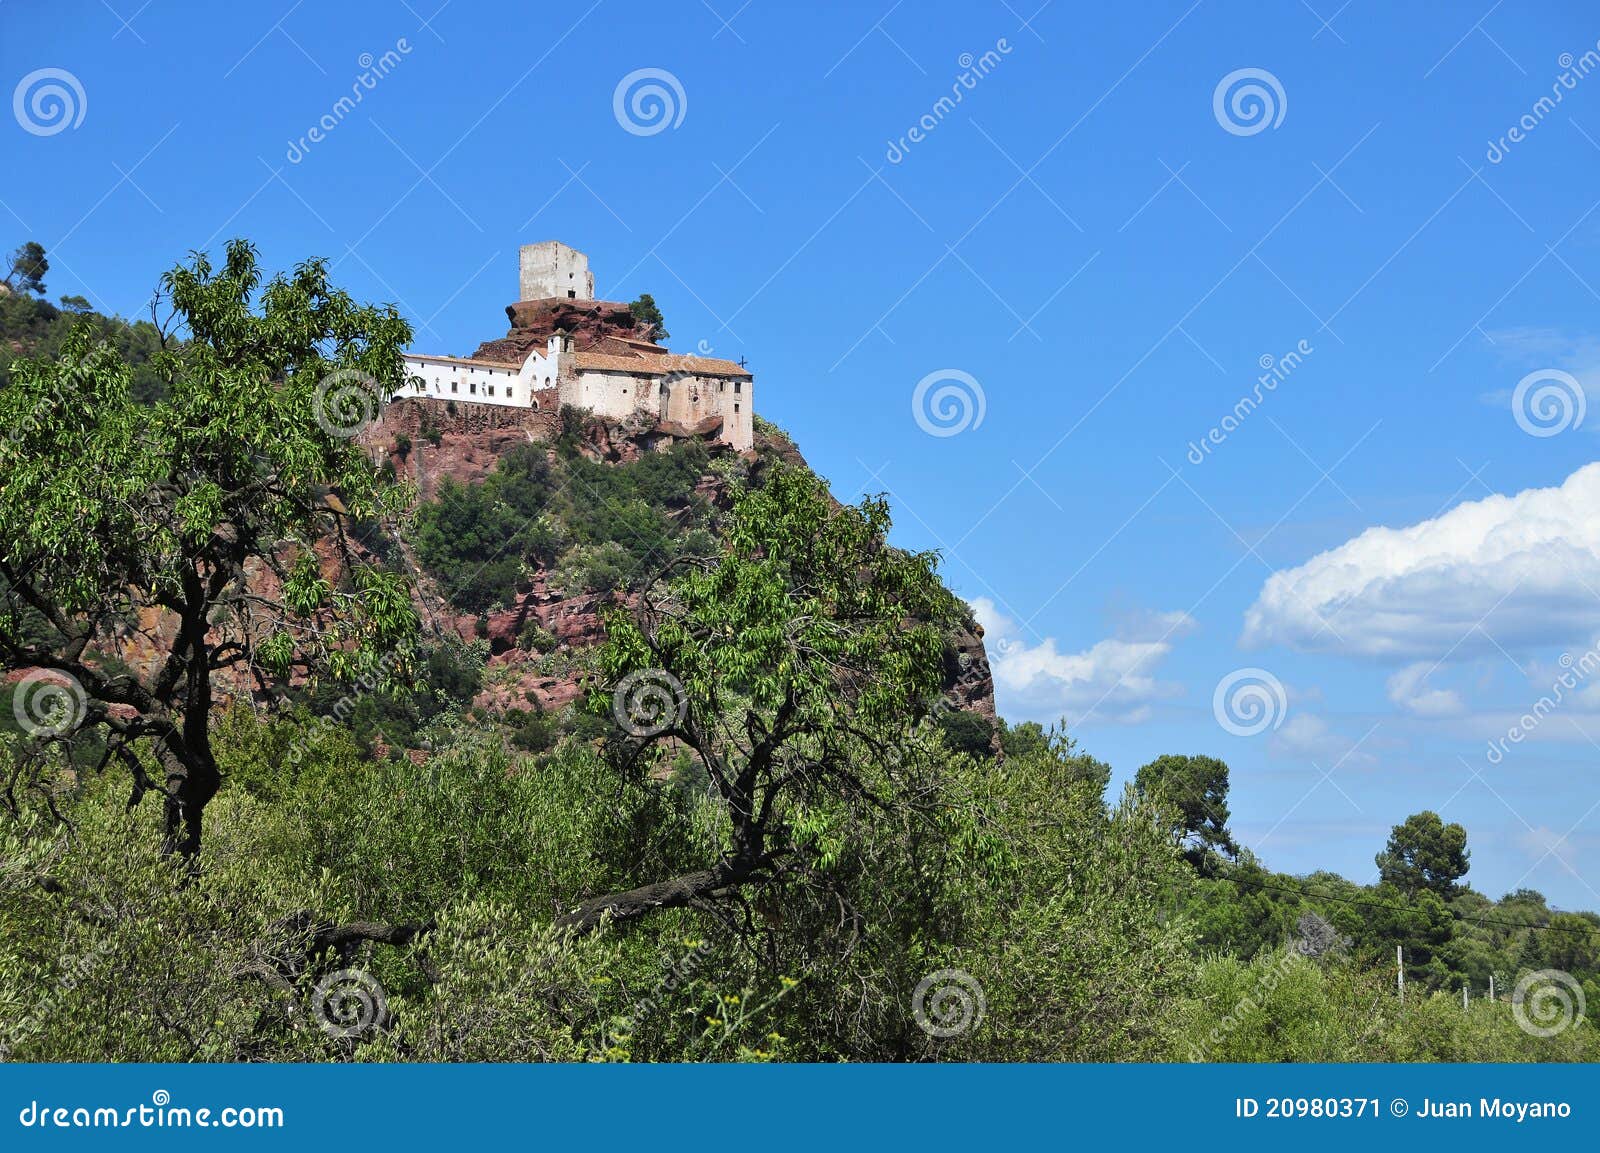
x=1113, y=680
x=1306, y=736
x=1505, y=572
x=1407, y=690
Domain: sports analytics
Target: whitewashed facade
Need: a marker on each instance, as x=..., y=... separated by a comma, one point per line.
x=685, y=390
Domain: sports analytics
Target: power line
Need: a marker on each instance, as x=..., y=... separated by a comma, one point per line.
x=1305, y=896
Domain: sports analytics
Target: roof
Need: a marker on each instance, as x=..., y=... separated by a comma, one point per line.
x=463, y=360
x=659, y=364
x=641, y=345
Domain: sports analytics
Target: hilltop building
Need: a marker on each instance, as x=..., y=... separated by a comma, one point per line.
x=567, y=348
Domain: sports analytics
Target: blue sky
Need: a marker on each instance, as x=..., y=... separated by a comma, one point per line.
x=1093, y=240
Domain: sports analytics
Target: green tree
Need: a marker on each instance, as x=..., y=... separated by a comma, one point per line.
x=647, y=317
x=1195, y=790
x=112, y=512
x=1425, y=853
x=967, y=732
x=789, y=664
x=1572, y=943
x=25, y=272
x=1030, y=739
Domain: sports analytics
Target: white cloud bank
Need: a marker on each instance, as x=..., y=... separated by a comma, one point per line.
x=1114, y=680
x=1505, y=572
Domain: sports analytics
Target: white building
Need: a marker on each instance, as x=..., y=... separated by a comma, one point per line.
x=614, y=376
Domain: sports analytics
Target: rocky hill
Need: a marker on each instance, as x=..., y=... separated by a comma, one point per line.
x=546, y=616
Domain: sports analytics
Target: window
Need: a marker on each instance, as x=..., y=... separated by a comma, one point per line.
x=455, y=386
x=738, y=386
x=473, y=388
x=491, y=390
x=571, y=295
x=736, y=406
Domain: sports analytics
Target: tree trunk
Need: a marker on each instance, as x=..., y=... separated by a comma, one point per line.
x=191, y=781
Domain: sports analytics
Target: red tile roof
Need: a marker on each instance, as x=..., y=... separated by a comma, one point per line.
x=659, y=364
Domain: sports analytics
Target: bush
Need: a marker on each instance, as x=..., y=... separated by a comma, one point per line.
x=535, y=638
x=967, y=732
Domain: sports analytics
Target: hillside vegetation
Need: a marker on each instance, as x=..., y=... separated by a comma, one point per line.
x=283, y=825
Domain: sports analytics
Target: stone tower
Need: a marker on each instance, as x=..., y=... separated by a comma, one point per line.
x=550, y=269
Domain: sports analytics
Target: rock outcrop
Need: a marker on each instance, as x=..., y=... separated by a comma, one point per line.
x=591, y=325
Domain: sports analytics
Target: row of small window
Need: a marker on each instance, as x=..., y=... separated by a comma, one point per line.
x=455, y=386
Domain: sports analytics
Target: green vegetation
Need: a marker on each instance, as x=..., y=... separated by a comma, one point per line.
x=25, y=268
x=762, y=834
x=1195, y=790
x=33, y=327
x=647, y=315
x=601, y=526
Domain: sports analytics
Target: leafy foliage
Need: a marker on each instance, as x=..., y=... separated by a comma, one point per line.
x=26, y=266
x=1195, y=790
x=34, y=328
x=603, y=526
x=110, y=510
x=1425, y=853
x=647, y=315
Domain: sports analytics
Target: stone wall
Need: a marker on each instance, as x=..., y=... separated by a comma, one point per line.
x=471, y=437
x=552, y=269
